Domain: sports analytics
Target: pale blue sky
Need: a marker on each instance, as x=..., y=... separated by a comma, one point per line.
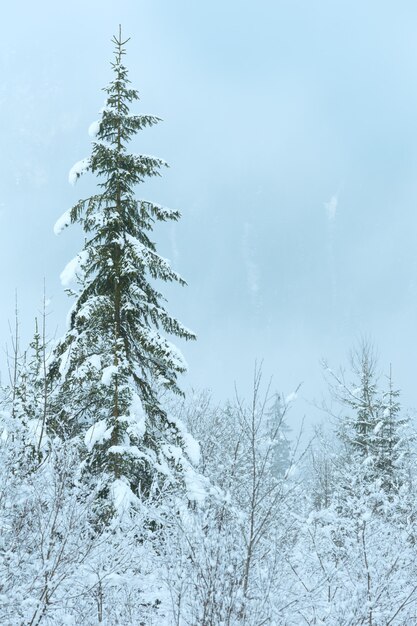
x=270, y=109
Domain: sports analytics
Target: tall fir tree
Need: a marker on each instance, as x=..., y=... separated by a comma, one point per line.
x=115, y=357
x=364, y=401
x=392, y=438
x=374, y=435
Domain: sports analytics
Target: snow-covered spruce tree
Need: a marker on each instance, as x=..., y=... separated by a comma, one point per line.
x=393, y=438
x=114, y=357
x=371, y=430
x=358, y=428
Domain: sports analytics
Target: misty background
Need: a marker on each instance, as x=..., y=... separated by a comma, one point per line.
x=291, y=132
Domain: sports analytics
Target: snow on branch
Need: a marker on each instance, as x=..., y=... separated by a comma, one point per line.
x=62, y=222
x=69, y=273
x=78, y=169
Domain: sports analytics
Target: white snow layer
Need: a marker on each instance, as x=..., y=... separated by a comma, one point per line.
x=136, y=418
x=94, y=128
x=63, y=222
x=37, y=433
x=192, y=448
x=64, y=362
x=177, y=356
x=78, y=169
x=191, y=445
x=69, y=273
x=378, y=427
x=97, y=433
x=123, y=496
x=195, y=485
x=108, y=373
x=95, y=361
